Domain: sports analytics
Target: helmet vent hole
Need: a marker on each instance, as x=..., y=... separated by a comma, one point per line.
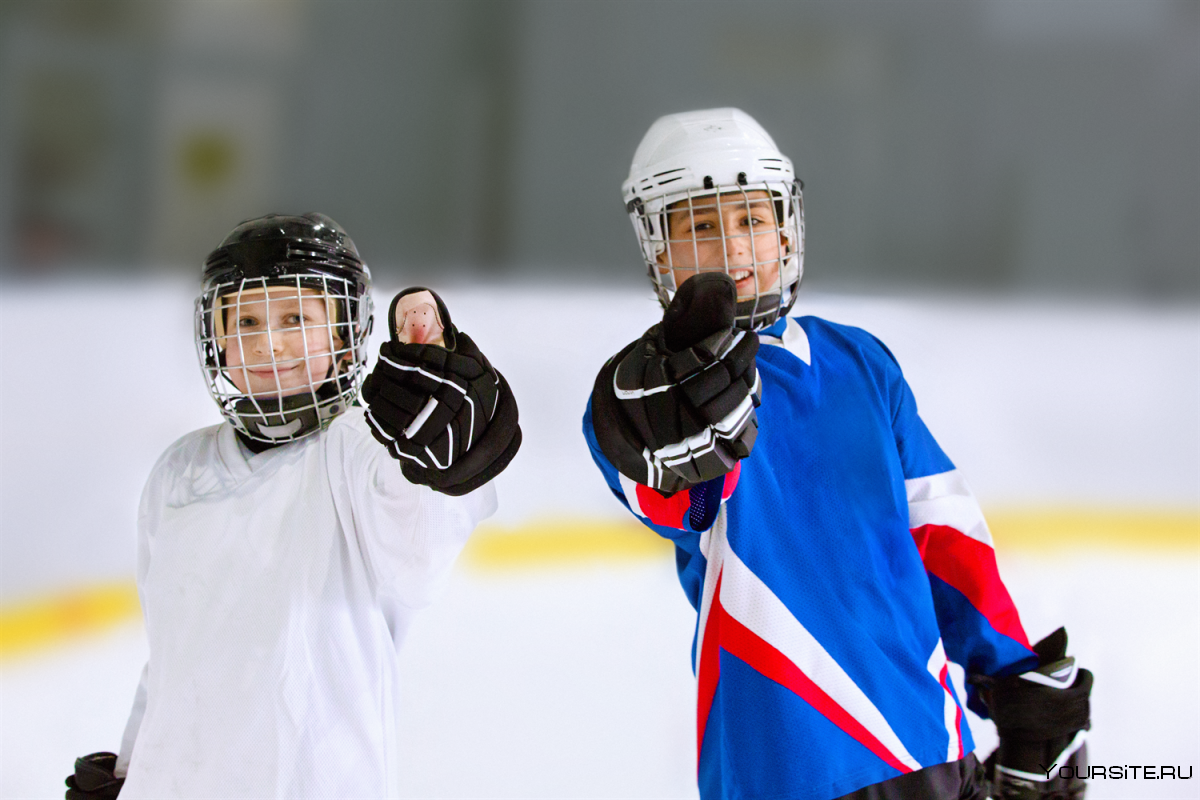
x=741, y=179
x=708, y=182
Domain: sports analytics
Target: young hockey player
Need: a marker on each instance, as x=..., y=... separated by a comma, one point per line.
x=834, y=554
x=282, y=554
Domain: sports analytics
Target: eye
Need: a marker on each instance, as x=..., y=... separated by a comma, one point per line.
x=247, y=322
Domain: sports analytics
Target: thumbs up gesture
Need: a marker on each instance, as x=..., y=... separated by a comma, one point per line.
x=436, y=403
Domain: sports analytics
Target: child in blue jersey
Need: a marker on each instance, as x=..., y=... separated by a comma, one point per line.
x=835, y=556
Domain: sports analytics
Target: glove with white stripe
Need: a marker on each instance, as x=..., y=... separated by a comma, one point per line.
x=1042, y=717
x=676, y=407
x=442, y=410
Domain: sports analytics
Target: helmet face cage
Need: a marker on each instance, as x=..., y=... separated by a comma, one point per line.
x=696, y=230
x=282, y=413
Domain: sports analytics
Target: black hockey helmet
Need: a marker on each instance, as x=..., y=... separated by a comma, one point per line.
x=313, y=254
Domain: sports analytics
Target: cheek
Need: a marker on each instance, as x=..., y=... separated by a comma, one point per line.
x=233, y=354
x=238, y=377
x=318, y=339
x=767, y=245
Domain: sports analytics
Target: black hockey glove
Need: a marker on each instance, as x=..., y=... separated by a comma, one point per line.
x=444, y=412
x=94, y=779
x=1041, y=716
x=676, y=407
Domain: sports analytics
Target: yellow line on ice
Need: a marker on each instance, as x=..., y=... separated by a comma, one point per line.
x=34, y=624
x=549, y=542
x=1090, y=529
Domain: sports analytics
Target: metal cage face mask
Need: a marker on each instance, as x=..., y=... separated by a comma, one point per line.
x=753, y=232
x=282, y=356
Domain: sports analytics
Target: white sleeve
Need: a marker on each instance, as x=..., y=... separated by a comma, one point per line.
x=147, y=517
x=410, y=535
x=132, y=726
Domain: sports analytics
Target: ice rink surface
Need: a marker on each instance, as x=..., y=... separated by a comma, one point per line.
x=573, y=681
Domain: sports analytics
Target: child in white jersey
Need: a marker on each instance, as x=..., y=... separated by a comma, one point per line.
x=282, y=554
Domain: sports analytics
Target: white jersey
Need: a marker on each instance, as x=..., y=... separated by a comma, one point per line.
x=276, y=589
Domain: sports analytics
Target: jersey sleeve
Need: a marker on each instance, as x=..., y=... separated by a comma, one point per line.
x=979, y=623
x=409, y=535
x=132, y=726
x=692, y=510
x=149, y=507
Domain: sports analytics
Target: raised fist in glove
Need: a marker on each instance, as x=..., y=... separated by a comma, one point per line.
x=1042, y=717
x=435, y=402
x=676, y=407
x=94, y=779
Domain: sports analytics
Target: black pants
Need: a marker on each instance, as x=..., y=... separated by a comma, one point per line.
x=955, y=780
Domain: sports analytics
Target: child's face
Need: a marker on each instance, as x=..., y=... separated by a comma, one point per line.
x=734, y=232
x=277, y=342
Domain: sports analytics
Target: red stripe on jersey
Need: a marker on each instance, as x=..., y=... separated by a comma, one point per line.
x=944, y=678
x=660, y=510
x=709, y=671
x=970, y=567
x=731, y=481
x=743, y=643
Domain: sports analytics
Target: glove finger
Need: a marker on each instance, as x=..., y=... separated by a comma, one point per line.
x=743, y=442
x=706, y=384
x=466, y=360
x=661, y=412
x=419, y=379
x=427, y=357
x=490, y=453
x=433, y=426
x=721, y=406
x=704, y=304
x=387, y=435
x=687, y=362
x=479, y=409
x=698, y=458
x=740, y=354
x=406, y=451
x=404, y=402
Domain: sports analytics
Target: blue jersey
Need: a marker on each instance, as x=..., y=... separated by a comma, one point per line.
x=834, y=573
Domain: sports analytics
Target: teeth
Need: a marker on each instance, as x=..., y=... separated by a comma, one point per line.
x=739, y=274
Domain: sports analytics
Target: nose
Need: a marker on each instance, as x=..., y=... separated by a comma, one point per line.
x=266, y=342
x=738, y=249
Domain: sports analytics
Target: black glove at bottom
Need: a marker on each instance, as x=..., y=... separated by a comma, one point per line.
x=1042, y=717
x=94, y=779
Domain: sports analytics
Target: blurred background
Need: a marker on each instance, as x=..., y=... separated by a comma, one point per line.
x=999, y=144
x=1007, y=192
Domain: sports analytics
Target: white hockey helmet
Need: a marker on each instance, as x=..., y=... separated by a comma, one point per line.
x=724, y=155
